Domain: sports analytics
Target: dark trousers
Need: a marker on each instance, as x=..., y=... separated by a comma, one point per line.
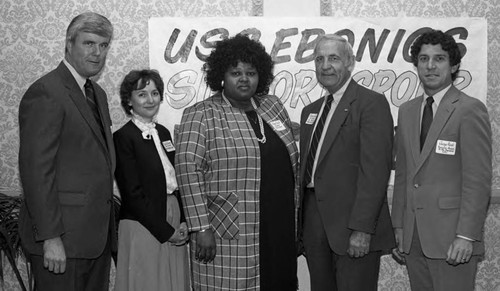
x=329, y=271
x=80, y=274
x=436, y=274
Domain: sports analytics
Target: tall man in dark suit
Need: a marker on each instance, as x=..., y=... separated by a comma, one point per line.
x=443, y=173
x=66, y=163
x=346, y=154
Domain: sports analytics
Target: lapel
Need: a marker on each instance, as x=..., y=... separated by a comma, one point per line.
x=269, y=113
x=339, y=116
x=102, y=104
x=307, y=129
x=78, y=98
x=444, y=111
x=413, y=113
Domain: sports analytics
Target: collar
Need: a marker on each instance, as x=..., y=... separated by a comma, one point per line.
x=437, y=97
x=80, y=80
x=139, y=120
x=340, y=92
x=146, y=127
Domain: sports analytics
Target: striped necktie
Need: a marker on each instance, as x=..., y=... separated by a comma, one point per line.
x=91, y=101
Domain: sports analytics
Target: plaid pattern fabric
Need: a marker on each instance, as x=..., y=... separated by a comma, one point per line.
x=218, y=170
x=225, y=215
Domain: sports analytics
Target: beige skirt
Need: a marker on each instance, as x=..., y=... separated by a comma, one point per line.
x=144, y=263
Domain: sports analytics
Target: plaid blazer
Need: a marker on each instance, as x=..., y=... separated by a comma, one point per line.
x=218, y=169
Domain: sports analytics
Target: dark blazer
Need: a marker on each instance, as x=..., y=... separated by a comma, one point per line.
x=141, y=179
x=66, y=167
x=353, y=168
x=445, y=194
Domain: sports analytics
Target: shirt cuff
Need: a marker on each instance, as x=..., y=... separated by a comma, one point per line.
x=203, y=229
x=466, y=238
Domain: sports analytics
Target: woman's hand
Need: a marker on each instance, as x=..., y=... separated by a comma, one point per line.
x=180, y=235
x=205, y=246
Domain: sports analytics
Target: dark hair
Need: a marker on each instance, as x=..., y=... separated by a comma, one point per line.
x=89, y=22
x=228, y=52
x=137, y=80
x=447, y=43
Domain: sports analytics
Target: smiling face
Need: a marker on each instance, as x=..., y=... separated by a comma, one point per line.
x=87, y=53
x=145, y=102
x=434, y=68
x=240, y=84
x=333, y=64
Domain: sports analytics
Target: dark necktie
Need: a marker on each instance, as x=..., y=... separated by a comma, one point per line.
x=426, y=120
x=315, y=140
x=91, y=101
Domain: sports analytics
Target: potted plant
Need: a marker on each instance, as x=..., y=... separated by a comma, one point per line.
x=9, y=238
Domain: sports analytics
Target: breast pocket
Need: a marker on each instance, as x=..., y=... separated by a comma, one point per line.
x=449, y=202
x=224, y=215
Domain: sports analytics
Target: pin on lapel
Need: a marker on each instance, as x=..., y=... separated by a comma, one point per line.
x=345, y=109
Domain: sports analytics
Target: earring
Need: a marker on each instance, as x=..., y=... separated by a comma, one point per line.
x=222, y=83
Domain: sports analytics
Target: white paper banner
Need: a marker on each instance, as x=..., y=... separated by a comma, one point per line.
x=178, y=46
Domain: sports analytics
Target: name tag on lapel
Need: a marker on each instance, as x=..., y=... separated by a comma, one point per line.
x=311, y=118
x=445, y=147
x=169, y=147
x=277, y=125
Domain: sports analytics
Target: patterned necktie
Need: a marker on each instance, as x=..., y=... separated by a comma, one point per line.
x=315, y=140
x=91, y=101
x=426, y=120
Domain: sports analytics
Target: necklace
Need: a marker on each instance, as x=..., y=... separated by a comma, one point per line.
x=261, y=124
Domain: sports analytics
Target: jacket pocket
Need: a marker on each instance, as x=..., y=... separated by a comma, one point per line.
x=224, y=215
x=73, y=198
x=449, y=202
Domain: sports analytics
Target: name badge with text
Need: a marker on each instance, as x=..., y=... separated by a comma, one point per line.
x=277, y=125
x=169, y=147
x=446, y=147
x=312, y=118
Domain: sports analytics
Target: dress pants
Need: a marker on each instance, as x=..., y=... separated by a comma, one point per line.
x=330, y=271
x=436, y=274
x=80, y=274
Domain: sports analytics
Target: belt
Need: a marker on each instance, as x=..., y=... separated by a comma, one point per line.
x=310, y=190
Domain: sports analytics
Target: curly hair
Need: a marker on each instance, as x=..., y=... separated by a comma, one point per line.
x=447, y=43
x=137, y=80
x=228, y=52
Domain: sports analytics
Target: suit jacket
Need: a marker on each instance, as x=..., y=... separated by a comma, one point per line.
x=353, y=168
x=444, y=188
x=141, y=179
x=66, y=166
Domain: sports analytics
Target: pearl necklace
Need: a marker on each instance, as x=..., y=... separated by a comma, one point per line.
x=261, y=124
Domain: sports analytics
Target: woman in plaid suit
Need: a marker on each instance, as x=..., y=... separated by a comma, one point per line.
x=236, y=164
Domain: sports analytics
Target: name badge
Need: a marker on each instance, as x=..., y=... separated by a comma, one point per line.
x=277, y=125
x=446, y=147
x=169, y=147
x=312, y=118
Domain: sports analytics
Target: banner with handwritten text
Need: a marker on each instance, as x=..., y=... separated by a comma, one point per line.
x=179, y=46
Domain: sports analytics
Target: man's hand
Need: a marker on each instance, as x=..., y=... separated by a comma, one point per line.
x=54, y=256
x=459, y=252
x=205, y=246
x=397, y=252
x=359, y=244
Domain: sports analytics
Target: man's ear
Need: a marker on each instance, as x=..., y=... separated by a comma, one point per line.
x=352, y=64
